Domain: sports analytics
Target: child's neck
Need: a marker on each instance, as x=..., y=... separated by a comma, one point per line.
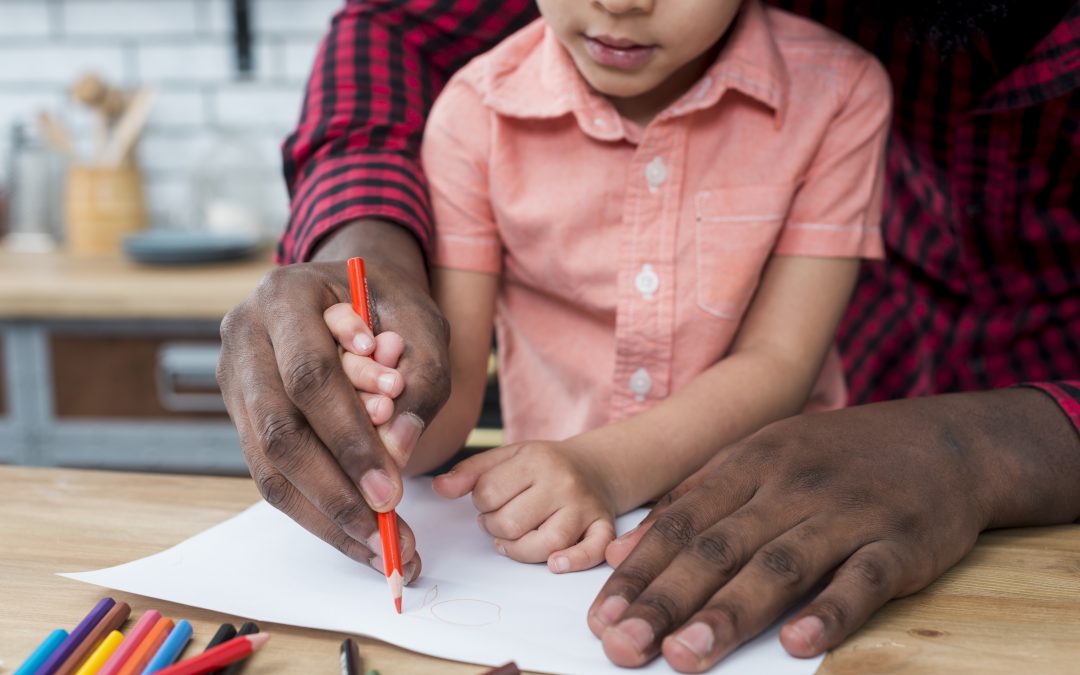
x=643, y=108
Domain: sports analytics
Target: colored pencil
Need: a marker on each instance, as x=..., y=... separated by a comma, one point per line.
x=61, y=653
x=93, y=664
x=147, y=648
x=388, y=531
x=131, y=642
x=234, y=650
x=248, y=628
x=43, y=651
x=351, y=663
x=112, y=620
x=225, y=632
x=505, y=669
x=171, y=648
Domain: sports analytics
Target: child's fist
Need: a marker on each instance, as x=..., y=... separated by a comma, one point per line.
x=368, y=361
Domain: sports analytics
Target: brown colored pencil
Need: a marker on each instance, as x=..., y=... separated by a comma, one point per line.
x=505, y=669
x=110, y=622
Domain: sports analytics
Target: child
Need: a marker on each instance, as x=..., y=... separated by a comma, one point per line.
x=660, y=206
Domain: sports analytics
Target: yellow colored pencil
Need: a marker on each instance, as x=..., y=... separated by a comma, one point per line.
x=101, y=654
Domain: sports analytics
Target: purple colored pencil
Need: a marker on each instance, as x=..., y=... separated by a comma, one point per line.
x=57, y=658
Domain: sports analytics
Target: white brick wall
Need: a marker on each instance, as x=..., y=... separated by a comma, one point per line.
x=184, y=49
x=29, y=18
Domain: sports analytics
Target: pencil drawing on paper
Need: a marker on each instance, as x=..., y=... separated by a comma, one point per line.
x=468, y=612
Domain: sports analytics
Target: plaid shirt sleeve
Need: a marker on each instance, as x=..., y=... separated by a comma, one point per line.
x=355, y=151
x=1067, y=395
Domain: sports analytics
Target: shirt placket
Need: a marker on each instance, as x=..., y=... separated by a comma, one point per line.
x=645, y=314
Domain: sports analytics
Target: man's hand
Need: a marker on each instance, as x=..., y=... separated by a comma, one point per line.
x=877, y=501
x=307, y=440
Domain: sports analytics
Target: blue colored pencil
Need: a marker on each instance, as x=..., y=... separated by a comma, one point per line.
x=61, y=653
x=43, y=651
x=171, y=648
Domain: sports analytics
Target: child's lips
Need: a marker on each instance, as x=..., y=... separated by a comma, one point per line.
x=618, y=52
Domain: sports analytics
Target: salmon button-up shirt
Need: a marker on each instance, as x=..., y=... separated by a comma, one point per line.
x=628, y=256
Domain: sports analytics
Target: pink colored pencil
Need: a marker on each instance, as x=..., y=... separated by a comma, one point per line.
x=131, y=642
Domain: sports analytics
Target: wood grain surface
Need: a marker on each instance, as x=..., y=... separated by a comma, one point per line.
x=1012, y=606
x=64, y=286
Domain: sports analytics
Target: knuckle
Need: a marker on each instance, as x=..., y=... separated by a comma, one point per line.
x=349, y=546
x=675, y=527
x=274, y=488
x=833, y=611
x=723, y=613
x=715, y=549
x=305, y=378
x=870, y=572
x=810, y=478
x=661, y=608
x=632, y=579
x=783, y=563
x=280, y=434
x=345, y=510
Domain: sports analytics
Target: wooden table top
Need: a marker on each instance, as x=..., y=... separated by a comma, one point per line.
x=1012, y=606
x=62, y=286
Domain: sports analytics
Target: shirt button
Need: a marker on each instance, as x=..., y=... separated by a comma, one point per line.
x=656, y=173
x=640, y=384
x=647, y=281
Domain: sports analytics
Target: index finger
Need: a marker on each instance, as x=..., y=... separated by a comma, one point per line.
x=670, y=534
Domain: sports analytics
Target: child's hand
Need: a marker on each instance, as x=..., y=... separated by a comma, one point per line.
x=540, y=500
x=368, y=361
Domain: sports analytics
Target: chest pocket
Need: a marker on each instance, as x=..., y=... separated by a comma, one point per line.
x=736, y=230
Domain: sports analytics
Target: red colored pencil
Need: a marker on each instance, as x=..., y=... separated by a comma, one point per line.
x=213, y=659
x=388, y=522
x=388, y=532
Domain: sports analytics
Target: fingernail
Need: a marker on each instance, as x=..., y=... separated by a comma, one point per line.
x=387, y=382
x=378, y=565
x=611, y=609
x=363, y=342
x=404, y=432
x=638, y=632
x=809, y=629
x=410, y=573
x=698, y=638
x=374, y=543
x=562, y=564
x=377, y=487
x=500, y=548
x=372, y=405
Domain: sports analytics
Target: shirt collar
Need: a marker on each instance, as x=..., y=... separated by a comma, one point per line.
x=1049, y=71
x=545, y=83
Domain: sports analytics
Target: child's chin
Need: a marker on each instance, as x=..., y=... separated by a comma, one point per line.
x=627, y=86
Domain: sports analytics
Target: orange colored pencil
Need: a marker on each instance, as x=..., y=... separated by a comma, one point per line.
x=214, y=659
x=388, y=531
x=147, y=648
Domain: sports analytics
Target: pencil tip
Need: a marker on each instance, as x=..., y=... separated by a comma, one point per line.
x=397, y=604
x=257, y=639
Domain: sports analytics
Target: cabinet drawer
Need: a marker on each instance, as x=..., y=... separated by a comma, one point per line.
x=133, y=376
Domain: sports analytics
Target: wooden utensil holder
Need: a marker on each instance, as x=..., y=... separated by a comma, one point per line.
x=102, y=205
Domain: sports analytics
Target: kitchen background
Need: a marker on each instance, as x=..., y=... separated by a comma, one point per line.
x=126, y=237
x=209, y=116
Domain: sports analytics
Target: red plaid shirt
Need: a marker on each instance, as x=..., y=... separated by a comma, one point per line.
x=981, y=283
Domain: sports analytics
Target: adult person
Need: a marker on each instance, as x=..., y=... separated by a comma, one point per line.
x=980, y=291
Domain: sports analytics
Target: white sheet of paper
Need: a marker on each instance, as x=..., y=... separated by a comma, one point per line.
x=470, y=603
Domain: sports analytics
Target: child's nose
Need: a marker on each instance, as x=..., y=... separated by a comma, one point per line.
x=618, y=7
